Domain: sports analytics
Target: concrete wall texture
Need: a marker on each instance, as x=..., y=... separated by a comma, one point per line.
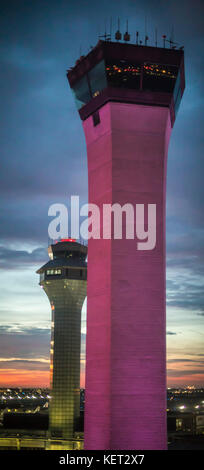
x=125, y=404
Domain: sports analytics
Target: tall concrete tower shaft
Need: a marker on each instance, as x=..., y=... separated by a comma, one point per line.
x=128, y=96
x=63, y=279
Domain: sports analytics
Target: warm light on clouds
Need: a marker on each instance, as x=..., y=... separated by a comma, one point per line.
x=185, y=380
x=32, y=368
x=44, y=162
x=24, y=378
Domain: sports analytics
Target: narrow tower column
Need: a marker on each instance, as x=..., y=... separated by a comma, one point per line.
x=128, y=97
x=64, y=281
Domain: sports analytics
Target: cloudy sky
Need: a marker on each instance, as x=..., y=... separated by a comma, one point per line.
x=43, y=161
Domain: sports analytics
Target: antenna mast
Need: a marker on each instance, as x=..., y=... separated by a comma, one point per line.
x=126, y=36
x=118, y=35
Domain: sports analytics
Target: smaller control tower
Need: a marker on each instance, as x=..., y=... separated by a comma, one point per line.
x=63, y=279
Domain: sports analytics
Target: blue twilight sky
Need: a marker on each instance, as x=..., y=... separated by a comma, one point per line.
x=43, y=161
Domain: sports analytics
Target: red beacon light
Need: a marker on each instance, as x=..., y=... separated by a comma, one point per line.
x=72, y=240
x=68, y=240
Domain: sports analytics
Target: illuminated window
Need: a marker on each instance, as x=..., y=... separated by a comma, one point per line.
x=123, y=74
x=159, y=77
x=179, y=424
x=53, y=272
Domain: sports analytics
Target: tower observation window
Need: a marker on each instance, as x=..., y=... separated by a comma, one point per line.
x=90, y=85
x=159, y=77
x=82, y=92
x=97, y=78
x=123, y=74
x=53, y=272
x=135, y=75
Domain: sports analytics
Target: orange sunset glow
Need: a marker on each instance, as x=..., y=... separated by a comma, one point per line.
x=37, y=378
x=28, y=378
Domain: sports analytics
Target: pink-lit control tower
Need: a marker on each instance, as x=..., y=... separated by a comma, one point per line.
x=127, y=96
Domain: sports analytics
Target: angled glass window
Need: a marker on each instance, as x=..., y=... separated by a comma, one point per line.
x=177, y=93
x=177, y=102
x=177, y=86
x=97, y=78
x=81, y=92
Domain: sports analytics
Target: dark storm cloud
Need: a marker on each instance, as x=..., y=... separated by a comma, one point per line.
x=192, y=263
x=42, y=132
x=38, y=125
x=43, y=158
x=26, y=344
x=185, y=286
x=185, y=269
x=188, y=303
x=10, y=259
x=171, y=361
x=180, y=373
x=24, y=220
x=24, y=364
x=21, y=329
x=42, y=126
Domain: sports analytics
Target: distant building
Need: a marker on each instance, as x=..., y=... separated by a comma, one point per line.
x=185, y=423
x=63, y=279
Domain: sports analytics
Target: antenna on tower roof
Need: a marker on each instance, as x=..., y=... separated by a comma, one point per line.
x=118, y=35
x=164, y=40
x=156, y=37
x=172, y=43
x=172, y=37
x=110, y=27
x=146, y=35
x=137, y=37
x=146, y=39
x=105, y=36
x=126, y=36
